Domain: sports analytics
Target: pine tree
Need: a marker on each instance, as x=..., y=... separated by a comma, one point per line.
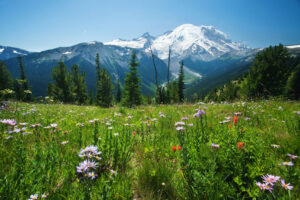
x=168, y=92
x=79, y=85
x=51, y=90
x=6, y=80
x=119, y=94
x=105, y=88
x=25, y=93
x=62, y=83
x=181, y=83
x=293, y=87
x=104, y=95
x=269, y=72
x=132, y=92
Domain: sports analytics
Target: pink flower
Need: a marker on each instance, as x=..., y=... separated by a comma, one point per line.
x=286, y=186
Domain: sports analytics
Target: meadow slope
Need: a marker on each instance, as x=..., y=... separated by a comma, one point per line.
x=189, y=151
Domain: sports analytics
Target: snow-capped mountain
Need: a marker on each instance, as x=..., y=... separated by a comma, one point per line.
x=141, y=42
x=11, y=52
x=200, y=42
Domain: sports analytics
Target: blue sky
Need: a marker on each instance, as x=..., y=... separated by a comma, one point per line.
x=37, y=25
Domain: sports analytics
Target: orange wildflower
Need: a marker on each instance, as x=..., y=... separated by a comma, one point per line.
x=174, y=148
x=240, y=145
x=235, y=120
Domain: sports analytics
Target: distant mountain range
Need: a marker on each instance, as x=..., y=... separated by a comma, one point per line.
x=11, y=52
x=206, y=51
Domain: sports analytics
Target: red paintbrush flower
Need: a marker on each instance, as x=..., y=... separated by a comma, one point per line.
x=179, y=147
x=240, y=145
x=235, y=120
x=174, y=148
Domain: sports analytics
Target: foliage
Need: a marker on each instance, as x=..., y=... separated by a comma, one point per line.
x=104, y=86
x=79, y=89
x=119, y=93
x=293, y=87
x=181, y=83
x=272, y=74
x=132, y=92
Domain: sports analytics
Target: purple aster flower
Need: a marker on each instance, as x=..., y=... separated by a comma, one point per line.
x=92, y=175
x=10, y=122
x=270, y=179
x=34, y=197
x=286, y=186
x=292, y=156
x=199, y=113
x=180, y=128
x=288, y=163
x=275, y=146
x=214, y=145
x=179, y=124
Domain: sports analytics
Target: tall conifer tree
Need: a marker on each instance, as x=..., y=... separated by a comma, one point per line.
x=181, y=83
x=132, y=92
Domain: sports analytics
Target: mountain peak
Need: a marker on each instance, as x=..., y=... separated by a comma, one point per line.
x=202, y=42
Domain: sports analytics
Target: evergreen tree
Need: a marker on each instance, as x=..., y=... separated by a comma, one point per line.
x=132, y=92
x=119, y=94
x=174, y=95
x=105, y=89
x=181, y=83
x=62, y=83
x=269, y=72
x=168, y=92
x=104, y=95
x=293, y=84
x=91, y=97
x=6, y=81
x=25, y=93
x=51, y=90
x=79, y=85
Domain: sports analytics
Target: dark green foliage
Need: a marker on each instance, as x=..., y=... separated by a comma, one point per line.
x=69, y=87
x=51, y=90
x=6, y=80
x=132, y=92
x=273, y=73
x=62, y=83
x=181, y=83
x=269, y=72
x=293, y=84
x=24, y=92
x=119, y=94
x=104, y=86
x=79, y=89
x=104, y=90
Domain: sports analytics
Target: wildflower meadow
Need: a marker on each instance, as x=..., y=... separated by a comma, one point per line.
x=242, y=150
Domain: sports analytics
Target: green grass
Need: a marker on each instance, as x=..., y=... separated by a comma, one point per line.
x=137, y=144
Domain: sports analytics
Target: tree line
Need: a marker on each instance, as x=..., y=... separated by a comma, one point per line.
x=70, y=86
